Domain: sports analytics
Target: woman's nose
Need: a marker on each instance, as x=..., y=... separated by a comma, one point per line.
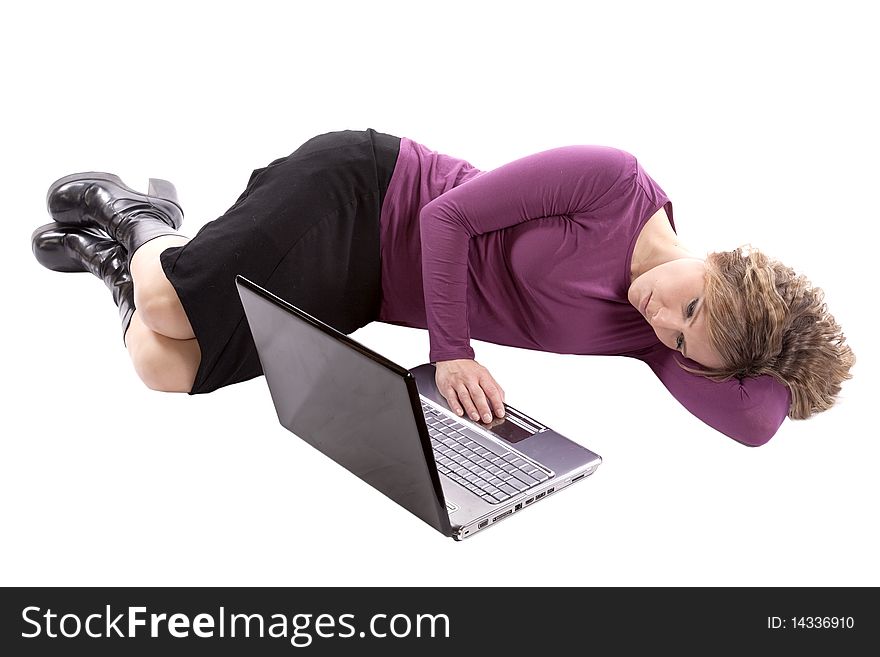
x=664, y=320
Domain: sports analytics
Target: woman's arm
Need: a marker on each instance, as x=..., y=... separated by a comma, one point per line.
x=749, y=410
x=565, y=181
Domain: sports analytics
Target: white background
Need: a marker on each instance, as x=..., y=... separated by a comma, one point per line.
x=758, y=120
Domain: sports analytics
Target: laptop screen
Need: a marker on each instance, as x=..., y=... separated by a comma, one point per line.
x=345, y=400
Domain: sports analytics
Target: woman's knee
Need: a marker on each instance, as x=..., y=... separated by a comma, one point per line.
x=161, y=311
x=162, y=366
x=160, y=373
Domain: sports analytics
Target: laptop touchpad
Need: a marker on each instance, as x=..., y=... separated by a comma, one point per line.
x=514, y=426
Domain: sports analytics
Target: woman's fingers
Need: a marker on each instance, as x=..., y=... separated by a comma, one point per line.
x=469, y=388
x=474, y=401
x=465, y=396
x=494, y=395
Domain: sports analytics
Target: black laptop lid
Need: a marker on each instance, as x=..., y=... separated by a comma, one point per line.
x=347, y=401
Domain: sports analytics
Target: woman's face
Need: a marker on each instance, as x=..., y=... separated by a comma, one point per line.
x=670, y=296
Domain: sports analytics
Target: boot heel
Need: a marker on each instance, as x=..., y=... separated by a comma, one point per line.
x=163, y=189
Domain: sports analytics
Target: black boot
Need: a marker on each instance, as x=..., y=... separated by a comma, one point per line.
x=102, y=200
x=81, y=248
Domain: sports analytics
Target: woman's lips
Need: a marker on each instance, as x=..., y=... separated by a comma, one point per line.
x=645, y=305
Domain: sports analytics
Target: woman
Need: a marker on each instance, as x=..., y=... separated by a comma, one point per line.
x=571, y=250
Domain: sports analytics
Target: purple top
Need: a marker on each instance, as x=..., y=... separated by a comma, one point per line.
x=537, y=254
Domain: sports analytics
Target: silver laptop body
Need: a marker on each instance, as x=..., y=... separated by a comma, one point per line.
x=392, y=428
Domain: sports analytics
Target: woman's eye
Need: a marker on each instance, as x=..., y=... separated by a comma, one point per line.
x=691, y=307
x=679, y=342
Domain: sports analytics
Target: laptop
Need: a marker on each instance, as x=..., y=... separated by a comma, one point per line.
x=392, y=428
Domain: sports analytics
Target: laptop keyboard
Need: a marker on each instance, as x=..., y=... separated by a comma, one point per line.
x=493, y=473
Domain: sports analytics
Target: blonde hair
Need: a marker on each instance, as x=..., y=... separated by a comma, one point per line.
x=762, y=318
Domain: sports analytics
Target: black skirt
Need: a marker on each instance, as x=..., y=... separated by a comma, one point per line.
x=307, y=229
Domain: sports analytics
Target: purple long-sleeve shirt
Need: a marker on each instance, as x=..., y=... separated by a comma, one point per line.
x=537, y=254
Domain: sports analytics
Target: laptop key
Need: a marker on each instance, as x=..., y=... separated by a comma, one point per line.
x=526, y=479
x=508, y=468
x=496, y=451
x=509, y=490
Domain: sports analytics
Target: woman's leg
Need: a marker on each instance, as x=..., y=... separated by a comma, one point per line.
x=160, y=339
x=154, y=296
x=162, y=363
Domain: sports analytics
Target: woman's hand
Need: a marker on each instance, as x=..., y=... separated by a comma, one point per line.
x=468, y=386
